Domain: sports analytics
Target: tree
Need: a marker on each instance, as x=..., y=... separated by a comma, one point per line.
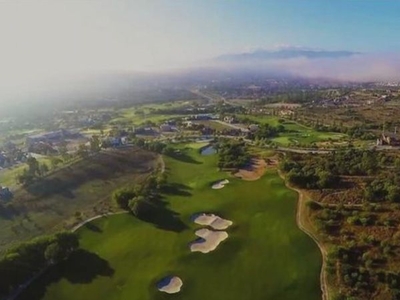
x=161, y=180
x=139, y=206
x=62, y=149
x=68, y=241
x=326, y=179
x=43, y=169
x=53, y=253
x=168, y=150
x=33, y=166
x=20, y=262
x=25, y=178
x=95, y=144
x=122, y=196
x=55, y=162
x=82, y=151
x=393, y=193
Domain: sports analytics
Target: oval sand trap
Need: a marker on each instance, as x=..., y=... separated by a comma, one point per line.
x=220, y=184
x=212, y=220
x=208, y=241
x=170, y=285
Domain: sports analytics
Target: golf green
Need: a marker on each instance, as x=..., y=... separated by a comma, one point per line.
x=265, y=256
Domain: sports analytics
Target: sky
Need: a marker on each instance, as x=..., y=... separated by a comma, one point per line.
x=50, y=39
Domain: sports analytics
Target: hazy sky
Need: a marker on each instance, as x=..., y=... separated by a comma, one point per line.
x=42, y=39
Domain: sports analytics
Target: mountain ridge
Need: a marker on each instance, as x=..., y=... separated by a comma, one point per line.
x=285, y=53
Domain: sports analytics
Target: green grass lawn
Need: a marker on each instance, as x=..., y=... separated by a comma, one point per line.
x=8, y=175
x=307, y=137
x=297, y=133
x=265, y=257
x=140, y=114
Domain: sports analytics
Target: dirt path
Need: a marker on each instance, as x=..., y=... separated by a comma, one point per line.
x=162, y=164
x=76, y=227
x=300, y=219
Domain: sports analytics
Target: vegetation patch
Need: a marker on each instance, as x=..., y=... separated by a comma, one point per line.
x=66, y=197
x=253, y=171
x=232, y=154
x=354, y=212
x=267, y=253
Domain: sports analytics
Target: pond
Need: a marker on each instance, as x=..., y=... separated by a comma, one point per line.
x=209, y=150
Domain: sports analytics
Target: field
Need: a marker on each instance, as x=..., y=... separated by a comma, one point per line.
x=8, y=175
x=214, y=125
x=53, y=202
x=140, y=114
x=297, y=133
x=265, y=257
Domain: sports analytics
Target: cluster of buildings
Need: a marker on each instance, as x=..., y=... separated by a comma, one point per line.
x=78, y=118
x=11, y=155
x=5, y=193
x=50, y=137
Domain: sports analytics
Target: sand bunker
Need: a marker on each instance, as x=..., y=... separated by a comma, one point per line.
x=208, y=241
x=212, y=220
x=170, y=285
x=220, y=184
x=254, y=171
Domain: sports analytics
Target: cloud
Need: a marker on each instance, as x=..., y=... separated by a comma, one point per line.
x=368, y=67
x=362, y=67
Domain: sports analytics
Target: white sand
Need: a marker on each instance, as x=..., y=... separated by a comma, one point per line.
x=209, y=240
x=213, y=221
x=220, y=184
x=170, y=285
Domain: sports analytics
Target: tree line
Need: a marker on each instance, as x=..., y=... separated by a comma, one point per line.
x=33, y=171
x=23, y=261
x=232, y=154
x=139, y=198
x=324, y=171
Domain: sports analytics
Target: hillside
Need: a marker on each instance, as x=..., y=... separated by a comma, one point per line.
x=77, y=192
x=284, y=53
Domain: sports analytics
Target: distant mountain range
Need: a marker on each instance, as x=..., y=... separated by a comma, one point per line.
x=284, y=53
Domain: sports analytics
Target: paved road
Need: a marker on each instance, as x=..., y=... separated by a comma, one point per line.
x=210, y=98
x=305, y=150
x=232, y=125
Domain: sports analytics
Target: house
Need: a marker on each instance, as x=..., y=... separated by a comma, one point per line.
x=286, y=112
x=51, y=136
x=42, y=148
x=230, y=120
x=253, y=127
x=144, y=130
x=202, y=117
x=112, y=141
x=188, y=124
x=388, y=139
x=165, y=128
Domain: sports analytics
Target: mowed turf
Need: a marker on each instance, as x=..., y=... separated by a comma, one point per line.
x=265, y=257
x=296, y=133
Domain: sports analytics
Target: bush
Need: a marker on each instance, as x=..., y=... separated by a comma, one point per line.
x=313, y=205
x=122, y=196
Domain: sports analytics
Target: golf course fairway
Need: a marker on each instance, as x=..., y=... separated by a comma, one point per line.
x=266, y=255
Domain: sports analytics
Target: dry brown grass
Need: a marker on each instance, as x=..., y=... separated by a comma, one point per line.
x=254, y=171
x=76, y=192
